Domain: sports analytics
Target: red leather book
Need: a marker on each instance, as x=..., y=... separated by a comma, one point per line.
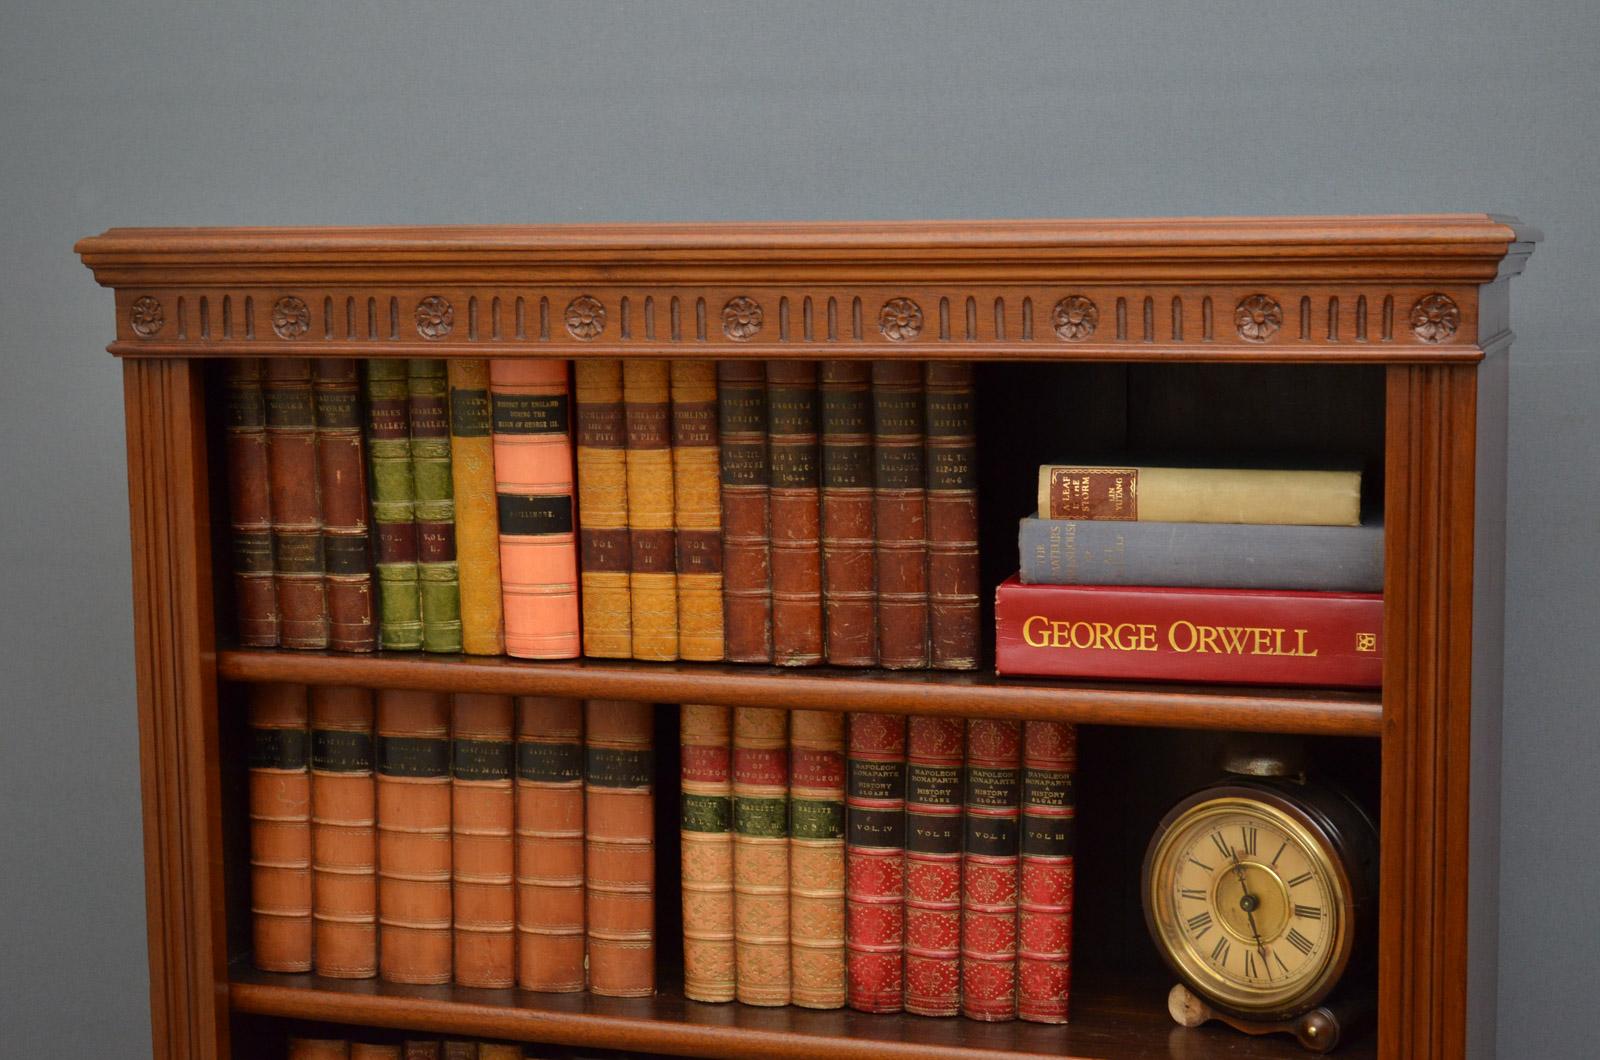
x=746, y=539
x=849, y=561
x=413, y=764
x=255, y=593
x=796, y=513
x=280, y=828
x=342, y=483
x=1049, y=817
x=344, y=846
x=989, y=870
x=483, y=850
x=933, y=865
x=296, y=509
x=875, y=840
x=952, y=499
x=1230, y=636
x=901, y=511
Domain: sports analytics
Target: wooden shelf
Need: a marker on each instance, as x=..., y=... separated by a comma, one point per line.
x=1313, y=712
x=1110, y=1021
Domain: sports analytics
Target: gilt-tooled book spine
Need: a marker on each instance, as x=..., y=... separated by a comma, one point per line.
x=483, y=848
x=989, y=870
x=549, y=825
x=619, y=842
x=420, y=1050
x=816, y=858
x=761, y=854
x=342, y=482
x=438, y=572
x=603, y=509
x=796, y=513
x=296, y=505
x=458, y=1050
x=344, y=842
x=255, y=592
x=318, y=1049
x=413, y=766
x=1300, y=497
x=933, y=865
x=1049, y=831
x=706, y=831
x=875, y=836
x=393, y=506
x=849, y=551
x=280, y=828
x=477, y=521
x=653, y=577
x=697, y=506
x=371, y=1051
x=952, y=517
x=746, y=536
x=901, y=509
x=533, y=484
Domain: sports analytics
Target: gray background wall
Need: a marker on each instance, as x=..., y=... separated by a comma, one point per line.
x=363, y=113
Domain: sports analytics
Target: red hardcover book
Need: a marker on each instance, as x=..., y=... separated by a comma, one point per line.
x=1049, y=816
x=933, y=865
x=989, y=870
x=1230, y=636
x=875, y=839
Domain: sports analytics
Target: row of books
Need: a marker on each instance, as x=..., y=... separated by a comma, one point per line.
x=1239, y=575
x=922, y=865
x=408, y=1049
x=789, y=512
x=429, y=838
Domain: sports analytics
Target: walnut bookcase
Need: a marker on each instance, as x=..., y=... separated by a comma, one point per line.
x=1422, y=301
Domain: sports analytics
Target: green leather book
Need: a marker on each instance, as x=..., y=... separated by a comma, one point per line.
x=393, y=502
x=428, y=393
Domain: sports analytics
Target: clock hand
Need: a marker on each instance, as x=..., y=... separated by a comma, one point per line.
x=1247, y=902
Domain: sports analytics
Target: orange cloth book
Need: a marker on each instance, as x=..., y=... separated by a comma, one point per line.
x=483, y=848
x=280, y=828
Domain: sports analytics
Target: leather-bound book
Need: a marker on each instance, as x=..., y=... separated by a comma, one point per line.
x=319, y=1049
x=483, y=849
x=455, y=1049
x=952, y=517
x=344, y=844
x=619, y=842
x=816, y=858
x=424, y=1050
x=373, y=1051
x=438, y=571
x=901, y=511
x=875, y=838
x=297, y=555
x=603, y=509
x=653, y=565
x=706, y=829
x=761, y=854
x=746, y=537
x=989, y=870
x=549, y=826
x=533, y=483
x=393, y=506
x=795, y=507
x=849, y=551
x=697, y=507
x=413, y=760
x=499, y=1051
x=342, y=483
x=477, y=521
x=255, y=593
x=280, y=828
x=934, y=749
x=1049, y=820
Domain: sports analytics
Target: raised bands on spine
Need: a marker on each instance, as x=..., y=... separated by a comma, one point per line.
x=619, y=841
x=849, y=560
x=413, y=766
x=344, y=845
x=549, y=830
x=280, y=828
x=477, y=520
x=761, y=854
x=875, y=837
x=602, y=448
x=706, y=831
x=483, y=849
x=746, y=541
x=795, y=504
x=816, y=858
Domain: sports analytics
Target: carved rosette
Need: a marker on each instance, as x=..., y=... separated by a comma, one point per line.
x=290, y=317
x=741, y=318
x=145, y=317
x=1258, y=318
x=435, y=317
x=1435, y=318
x=586, y=317
x=1075, y=317
x=900, y=319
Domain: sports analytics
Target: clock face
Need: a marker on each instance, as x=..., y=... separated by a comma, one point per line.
x=1248, y=904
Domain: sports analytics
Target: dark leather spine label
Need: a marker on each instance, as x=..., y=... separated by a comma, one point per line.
x=794, y=466
x=429, y=416
x=949, y=414
x=994, y=837
x=530, y=413
x=436, y=542
x=549, y=763
x=1046, y=787
x=870, y=779
x=876, y=828
x=932, y=785
x=288, y=407
x=521, y=514
x=278, y=748
x=469, y=413
x=604, y=550
x=346, y=553
x=992, y=787
x=744, y=463
x=846, y=411
x=387, y=419
x=897, y=412
x=652, y=551
x=413, y=756
x=952, y=467
x=846, y=466
x=706, y=813
x=338, y=409
x=816, y=818
x=649, y=426
x=397, y=542
x=742, y=409
x=932, y=833
x=252, y=551
x=611, y=767
x=480, y=759
x=246, y=407
x=699, y=551
x=792, y=410
x=898, y=467
x=341, y=751
x=298, y=552
x=764, y=818
x=694, y=423
x=602, y=426
x=1048, y=837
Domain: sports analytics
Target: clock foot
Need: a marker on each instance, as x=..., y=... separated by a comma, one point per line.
x=1318, y=1030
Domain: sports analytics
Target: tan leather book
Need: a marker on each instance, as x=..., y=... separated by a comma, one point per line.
x=499, y=1051
x=477, y=520
x=280, y=827
x=619, y=854
x=413, y=764
x=319, y=1049
x=370, y=1051
x=653, y=577
x=761, y=854
x=344, y=843
x=549, y=830
x=697, y=502
x=602, y=450
x=483, y=850
x=706, y=828
x=816, y=858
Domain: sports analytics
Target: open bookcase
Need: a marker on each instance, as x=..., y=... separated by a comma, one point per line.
x=1383, y=337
